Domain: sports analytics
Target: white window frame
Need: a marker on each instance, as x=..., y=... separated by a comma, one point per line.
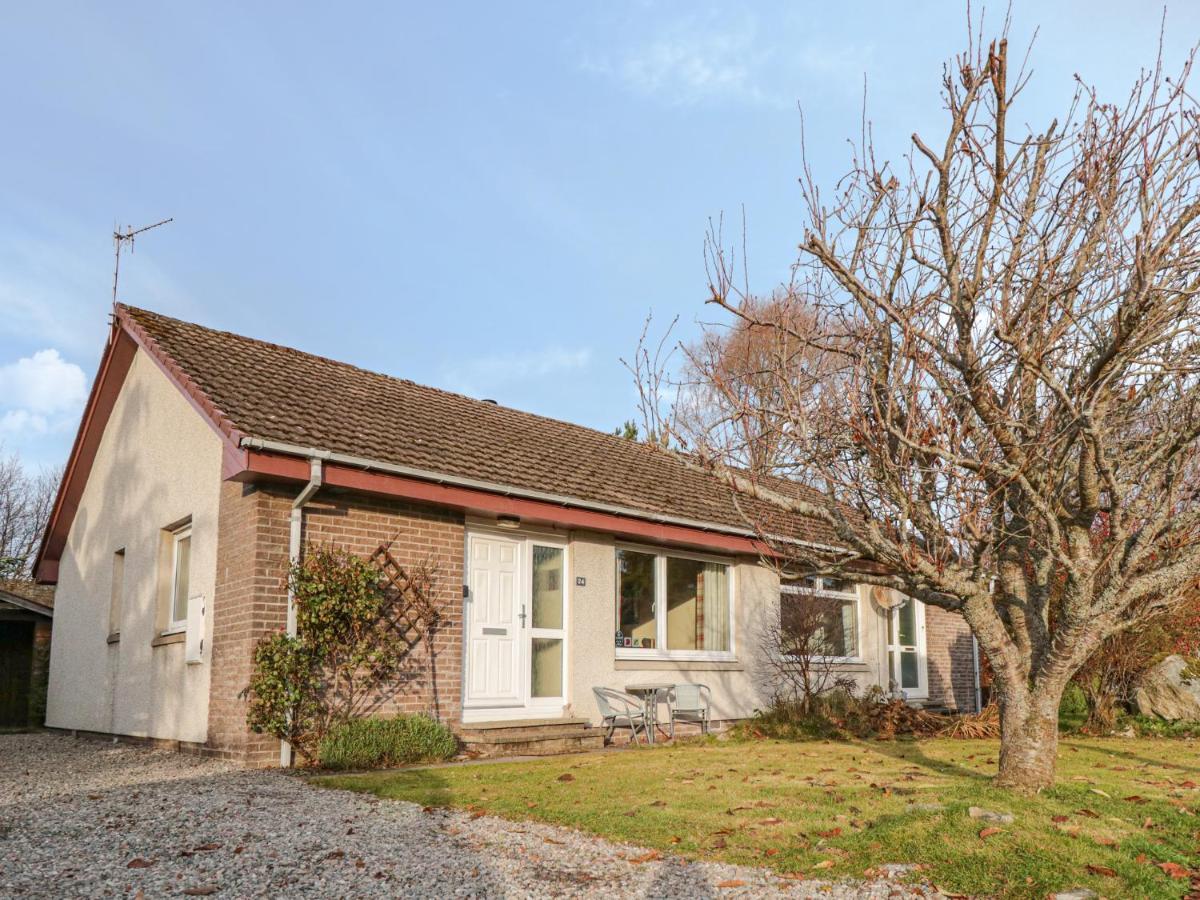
x=854, y=594
x=660, y=651
x=177, y=536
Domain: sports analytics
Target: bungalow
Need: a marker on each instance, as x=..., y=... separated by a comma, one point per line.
x=206, y=460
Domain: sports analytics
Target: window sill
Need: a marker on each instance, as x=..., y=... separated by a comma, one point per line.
x=114, y=638
x=678, y=656
x=657, y=664
x=169, y=637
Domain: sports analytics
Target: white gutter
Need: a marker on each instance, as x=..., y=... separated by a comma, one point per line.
x=360, y=462
x=294, y=547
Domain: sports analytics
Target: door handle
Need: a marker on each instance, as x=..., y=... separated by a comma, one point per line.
x=522, y=616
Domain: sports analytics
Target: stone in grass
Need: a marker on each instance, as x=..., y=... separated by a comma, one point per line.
x=987, y=815
x=1076, y=894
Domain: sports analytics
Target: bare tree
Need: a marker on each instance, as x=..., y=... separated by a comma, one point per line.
x=1012, y=323
x=26, y=500
x=730, y=380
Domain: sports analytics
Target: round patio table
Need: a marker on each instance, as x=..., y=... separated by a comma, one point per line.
x=651, y=694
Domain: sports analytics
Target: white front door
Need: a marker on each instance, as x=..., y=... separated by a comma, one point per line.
x=516, y=627
x=495, y=641
x=906, y=650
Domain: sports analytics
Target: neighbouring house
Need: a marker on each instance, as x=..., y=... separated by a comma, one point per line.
x=575, y=558
x=26, y=619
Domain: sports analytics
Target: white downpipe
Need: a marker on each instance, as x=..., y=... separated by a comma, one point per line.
x=294, y=548
x=975, y=663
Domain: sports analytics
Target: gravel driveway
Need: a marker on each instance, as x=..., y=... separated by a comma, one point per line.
x=85, y=818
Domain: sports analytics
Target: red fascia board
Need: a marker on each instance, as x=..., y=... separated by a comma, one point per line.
x=125, y=339
x=199, y=401
x=292, y=468
x=113, y=367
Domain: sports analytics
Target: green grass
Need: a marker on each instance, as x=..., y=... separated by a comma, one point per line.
x=829, y=809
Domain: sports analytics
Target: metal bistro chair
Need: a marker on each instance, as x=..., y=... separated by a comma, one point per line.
x=690, y=703
x=617, y=707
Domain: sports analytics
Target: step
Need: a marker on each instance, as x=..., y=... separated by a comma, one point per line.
x=553, y=746
x=522, y=730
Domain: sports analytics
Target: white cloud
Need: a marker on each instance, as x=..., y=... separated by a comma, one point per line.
x=477, y=377
x=42, y=384
x=23, y=422
x=707, y=59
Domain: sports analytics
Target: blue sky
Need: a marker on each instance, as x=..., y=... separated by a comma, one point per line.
x=484, y=197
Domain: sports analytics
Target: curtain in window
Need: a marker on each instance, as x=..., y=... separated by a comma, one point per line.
x=714, y=595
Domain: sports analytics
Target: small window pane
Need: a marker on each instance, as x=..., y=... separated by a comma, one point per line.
x=547, y=667
x=908, y=624
x=815, y=625
x=547, y=587
x=635, y=589
x=697, y=605
x=908, y=669
x=183, y=552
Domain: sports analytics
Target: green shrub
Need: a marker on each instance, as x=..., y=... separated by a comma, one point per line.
x=1151, y=726
x=1073, y=708
x=381, y=743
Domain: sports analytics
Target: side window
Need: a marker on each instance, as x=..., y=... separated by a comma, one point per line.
x=116, y=593
x=181, y=557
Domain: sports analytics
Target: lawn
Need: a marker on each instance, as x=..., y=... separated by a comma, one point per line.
x=1121, y=820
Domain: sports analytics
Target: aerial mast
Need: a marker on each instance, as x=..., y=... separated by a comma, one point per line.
x=121, y=238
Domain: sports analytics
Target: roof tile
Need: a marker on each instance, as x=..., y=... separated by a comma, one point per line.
x=280, y=394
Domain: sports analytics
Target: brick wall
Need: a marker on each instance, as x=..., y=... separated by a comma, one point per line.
x=951, y=664
x=251, y=597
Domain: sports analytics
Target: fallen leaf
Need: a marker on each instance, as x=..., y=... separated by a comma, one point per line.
x=201, y=891
x=566, y=776
x=731, y=883
x=719, y=844
x=139, y=863
x=831, y=833
x=335, y=854
x=659, y=803
x=478, y=814
x=1175, y=870
x=1058, y=820
x=1106, y=842
x=1101, y=793
x=1088, y=813
x=551, y=840
x=771, y=821
x=676, y=839
x=988, y=832
x=1101, y=870
x=646, y=857
x=824, y=864
x=1136, y=799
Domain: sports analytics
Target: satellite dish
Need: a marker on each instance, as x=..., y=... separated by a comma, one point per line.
x=886, y=598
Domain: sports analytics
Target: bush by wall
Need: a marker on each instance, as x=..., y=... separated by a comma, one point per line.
x=381, y=743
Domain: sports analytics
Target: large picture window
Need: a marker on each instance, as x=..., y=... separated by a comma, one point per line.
x=672, y=605
x=819, y=617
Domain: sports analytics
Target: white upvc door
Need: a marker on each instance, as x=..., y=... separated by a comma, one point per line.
x=495, y=641
x=516, y=613
x=907, y=662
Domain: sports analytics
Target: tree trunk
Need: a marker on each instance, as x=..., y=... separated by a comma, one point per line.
x=1028, y=738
